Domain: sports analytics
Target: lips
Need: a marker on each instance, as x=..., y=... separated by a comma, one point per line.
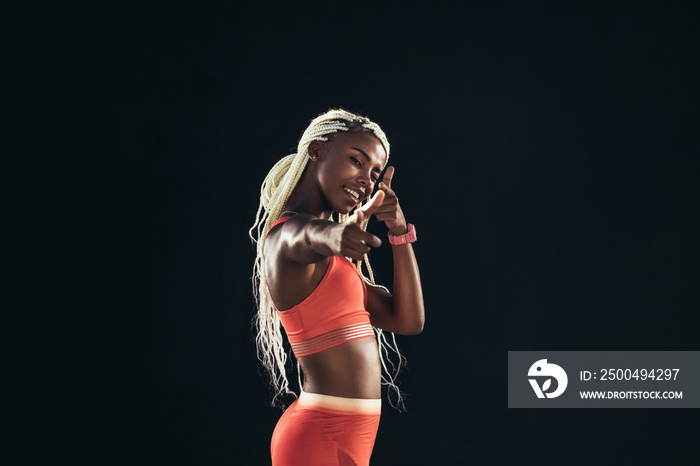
x=354, y=194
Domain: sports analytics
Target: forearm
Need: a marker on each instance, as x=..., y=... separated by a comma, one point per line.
x=318, y=237
x=407, y=304
x=305, y=240
x=308, y=240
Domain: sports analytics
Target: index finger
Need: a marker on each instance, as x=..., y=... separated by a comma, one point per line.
x=371, y=240
x=388, y=175
x=373, y=203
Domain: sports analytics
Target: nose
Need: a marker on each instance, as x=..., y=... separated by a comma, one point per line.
x=364, y=178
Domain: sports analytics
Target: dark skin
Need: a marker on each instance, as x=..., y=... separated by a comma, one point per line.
x=340, y=174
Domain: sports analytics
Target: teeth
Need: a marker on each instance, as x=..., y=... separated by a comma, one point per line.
x=355, y=194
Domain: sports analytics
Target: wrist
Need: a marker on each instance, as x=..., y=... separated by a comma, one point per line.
x=402, y=230
x=408, y=237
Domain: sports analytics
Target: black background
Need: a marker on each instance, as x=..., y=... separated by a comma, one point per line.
x=545, y=154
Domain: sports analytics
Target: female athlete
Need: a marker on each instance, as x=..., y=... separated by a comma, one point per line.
x=334, y=317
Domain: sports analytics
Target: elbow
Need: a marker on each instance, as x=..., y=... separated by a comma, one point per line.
x=412, y=332
x=414, y=328
x=413, y=321
x=418, y=328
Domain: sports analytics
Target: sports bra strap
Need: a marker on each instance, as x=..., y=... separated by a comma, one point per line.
x=278, y=222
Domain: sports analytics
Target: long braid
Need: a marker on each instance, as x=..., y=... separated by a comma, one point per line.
x=274, y=194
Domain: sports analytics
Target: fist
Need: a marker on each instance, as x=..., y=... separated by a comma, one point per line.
x=389, y=211
x=354, y=241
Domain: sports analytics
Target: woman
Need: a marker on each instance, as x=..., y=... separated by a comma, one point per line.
x=330, y=313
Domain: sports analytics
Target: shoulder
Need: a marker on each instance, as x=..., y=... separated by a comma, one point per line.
x=284, y=235
x=292, y=225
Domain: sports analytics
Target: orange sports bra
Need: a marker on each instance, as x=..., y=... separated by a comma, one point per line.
x=332, y=314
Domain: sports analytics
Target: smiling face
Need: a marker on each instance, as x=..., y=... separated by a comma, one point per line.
x=348, y=168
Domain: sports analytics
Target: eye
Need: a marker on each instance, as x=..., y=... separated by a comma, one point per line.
x=357, y=162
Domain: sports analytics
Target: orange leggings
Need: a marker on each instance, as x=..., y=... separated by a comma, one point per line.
x=321, y=430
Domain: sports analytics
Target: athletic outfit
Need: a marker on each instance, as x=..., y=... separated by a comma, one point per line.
x=321, y=429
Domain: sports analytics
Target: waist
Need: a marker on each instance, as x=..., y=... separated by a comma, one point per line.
x=340, y=404
x=351, y=370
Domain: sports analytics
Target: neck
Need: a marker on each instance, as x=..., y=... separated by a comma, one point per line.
x=307, y=198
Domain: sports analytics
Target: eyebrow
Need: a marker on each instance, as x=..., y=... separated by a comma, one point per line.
x=365, y=154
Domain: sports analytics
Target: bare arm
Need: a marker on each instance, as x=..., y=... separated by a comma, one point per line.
x=306, y=240
x=403, y=312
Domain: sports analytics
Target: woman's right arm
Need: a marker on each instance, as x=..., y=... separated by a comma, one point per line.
x=306, y=240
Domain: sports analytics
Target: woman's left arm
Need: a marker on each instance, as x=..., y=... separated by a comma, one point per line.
x=403, y=311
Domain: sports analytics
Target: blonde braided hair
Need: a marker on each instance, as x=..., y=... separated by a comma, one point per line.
x=274, y=194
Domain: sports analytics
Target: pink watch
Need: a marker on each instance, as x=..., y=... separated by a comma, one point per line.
x=408, y=237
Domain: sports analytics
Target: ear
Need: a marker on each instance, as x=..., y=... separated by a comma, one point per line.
x=314, y=150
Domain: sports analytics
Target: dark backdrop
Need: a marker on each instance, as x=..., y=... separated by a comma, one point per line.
x=543, y=152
